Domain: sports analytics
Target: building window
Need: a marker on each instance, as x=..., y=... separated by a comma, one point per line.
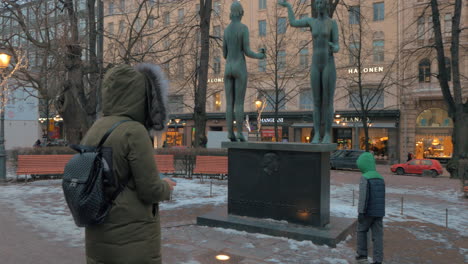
x=262, y=28
x=262, y=63
x=448, y=25
x=217, y=64
x=425, y=70
x=270, y=98
x=151, y=22
x=305, y=99
x=304, y=57
x=373, y=98
x=379, y=11
x=262, y=4
x=378, y=47
x=430, y=28
x=167, y=18
x=281, y=60
x=122, y=6
x=354, y=15
x=433, y=129
x=121, y=27
x=111, y=8
x=421, y=28
x=354, y=45
x=448, y=66
x=304, y=16
x=281, y=26
x=217, y=8
x=434, y=117
x=217, y=31
x=180, y=68
x=110, y=28
x=176, y=104
x=180, y=17
x=217, y=101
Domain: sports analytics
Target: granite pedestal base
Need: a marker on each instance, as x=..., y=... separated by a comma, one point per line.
x=330, y=235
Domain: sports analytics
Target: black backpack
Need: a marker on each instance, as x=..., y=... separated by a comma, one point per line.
x=86, y=179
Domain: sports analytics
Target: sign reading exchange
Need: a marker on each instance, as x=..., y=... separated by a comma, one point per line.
x=366, y=70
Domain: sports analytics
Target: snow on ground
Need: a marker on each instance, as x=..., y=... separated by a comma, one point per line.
x=428, y=207
x=41, y=204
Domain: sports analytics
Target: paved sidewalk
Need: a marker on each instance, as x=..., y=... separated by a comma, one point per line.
x=37, y=228
x=21, y=243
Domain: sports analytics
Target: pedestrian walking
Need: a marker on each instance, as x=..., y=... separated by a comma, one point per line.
x=131, y=233
x=410, y=156
x=371, y=209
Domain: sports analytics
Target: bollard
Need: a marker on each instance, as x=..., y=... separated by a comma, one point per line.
x=211, y=188
x=402, y=205
x=446, y=217
x=353, y=197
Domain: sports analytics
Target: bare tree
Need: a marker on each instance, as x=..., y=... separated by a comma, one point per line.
x=199, y=115
x=458, y=110
x=364, y=47
x=281, y=76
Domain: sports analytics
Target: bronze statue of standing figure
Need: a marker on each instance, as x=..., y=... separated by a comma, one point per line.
x=235, y=46
x=323, y=70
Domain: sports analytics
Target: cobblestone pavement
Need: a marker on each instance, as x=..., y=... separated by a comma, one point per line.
x=409, y=238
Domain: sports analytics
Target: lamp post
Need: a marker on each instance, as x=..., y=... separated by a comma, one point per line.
x=4, y=62
x=260, y=105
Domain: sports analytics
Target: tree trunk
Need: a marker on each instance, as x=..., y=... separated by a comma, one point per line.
x=199, y=115
x=460, y=144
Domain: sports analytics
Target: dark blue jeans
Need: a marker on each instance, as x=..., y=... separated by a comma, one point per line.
x=375, y=225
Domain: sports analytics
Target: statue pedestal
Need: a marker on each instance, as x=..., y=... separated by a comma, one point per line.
x=287, y=182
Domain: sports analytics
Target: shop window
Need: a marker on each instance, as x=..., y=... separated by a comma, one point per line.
x=434, y=117
x=378, y=142
x=433, y=146
x=425, y=70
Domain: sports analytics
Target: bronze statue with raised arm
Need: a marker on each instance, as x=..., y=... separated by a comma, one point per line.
x=323, y=70
x=235, y=47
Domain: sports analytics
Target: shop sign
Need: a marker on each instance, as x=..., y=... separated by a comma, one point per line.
x=216, y=80
x=366, y=70
x=354, y=120
x=272, y=120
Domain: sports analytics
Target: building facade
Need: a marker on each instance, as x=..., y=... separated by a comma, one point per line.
x=377, y=66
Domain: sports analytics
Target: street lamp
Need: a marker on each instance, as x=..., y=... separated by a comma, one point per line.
x=260, y=105
x=4, y=63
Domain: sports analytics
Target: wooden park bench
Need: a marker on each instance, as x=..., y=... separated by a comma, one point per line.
x=41, y=165
x=31, y=165
x=211, y=165
x=165, y=163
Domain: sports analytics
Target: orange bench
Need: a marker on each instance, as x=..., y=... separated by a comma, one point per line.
x=211, y=165
x=165, y=163
x=55, y=164
x=41, y=164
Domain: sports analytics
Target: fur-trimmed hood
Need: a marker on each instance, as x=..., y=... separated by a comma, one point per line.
x=157, y=88
x=125, y=89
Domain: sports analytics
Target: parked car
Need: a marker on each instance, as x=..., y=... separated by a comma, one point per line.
x=418, y=166
x=345, y=159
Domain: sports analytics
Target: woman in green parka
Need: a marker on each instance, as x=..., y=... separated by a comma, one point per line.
x=131, y=232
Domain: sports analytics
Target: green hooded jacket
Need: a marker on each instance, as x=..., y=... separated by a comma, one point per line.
x=366, y=163
x=131, y=232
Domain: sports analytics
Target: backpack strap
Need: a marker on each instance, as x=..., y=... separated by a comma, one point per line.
x=104, y=138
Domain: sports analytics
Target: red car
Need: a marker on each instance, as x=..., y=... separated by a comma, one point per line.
x=418, y=166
